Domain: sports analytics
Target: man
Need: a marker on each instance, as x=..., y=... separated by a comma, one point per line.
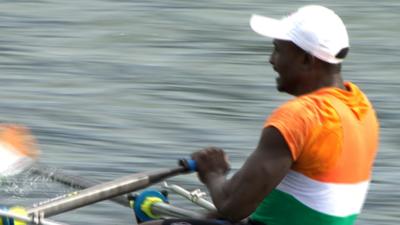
x=313, y=163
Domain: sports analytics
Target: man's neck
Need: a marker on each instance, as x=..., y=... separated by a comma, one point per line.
x=331, y=80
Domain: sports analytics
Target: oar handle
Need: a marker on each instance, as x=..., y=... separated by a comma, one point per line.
x=189, y=164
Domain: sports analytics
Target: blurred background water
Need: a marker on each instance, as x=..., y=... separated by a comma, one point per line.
x=112, y=87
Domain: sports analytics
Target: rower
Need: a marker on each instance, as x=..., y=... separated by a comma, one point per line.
x=314, y=159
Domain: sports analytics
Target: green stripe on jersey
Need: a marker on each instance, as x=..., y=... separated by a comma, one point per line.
x=279, y=208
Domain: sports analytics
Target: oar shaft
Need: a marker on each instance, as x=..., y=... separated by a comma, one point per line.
x=105, y=191
x=72, y=181
x=62, y=177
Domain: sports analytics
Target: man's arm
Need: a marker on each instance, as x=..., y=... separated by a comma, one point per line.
x=239, y=196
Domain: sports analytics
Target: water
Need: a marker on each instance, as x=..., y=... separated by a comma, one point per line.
x=111, y=87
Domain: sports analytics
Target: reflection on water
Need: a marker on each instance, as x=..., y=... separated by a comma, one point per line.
x=114, y=87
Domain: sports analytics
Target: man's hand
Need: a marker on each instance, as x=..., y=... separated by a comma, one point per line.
x=236, y=198
x=211, y=162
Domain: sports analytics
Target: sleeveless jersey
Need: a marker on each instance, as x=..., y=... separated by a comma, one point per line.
x=333, y=138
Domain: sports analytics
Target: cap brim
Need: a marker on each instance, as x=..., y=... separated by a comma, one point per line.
x=269, y=27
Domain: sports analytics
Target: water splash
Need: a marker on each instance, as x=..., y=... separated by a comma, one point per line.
x=28, y=184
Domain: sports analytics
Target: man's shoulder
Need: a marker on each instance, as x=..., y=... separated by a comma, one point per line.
x=313, y=110
x=307, y=102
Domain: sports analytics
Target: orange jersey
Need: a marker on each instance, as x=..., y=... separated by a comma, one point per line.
x=333, y=138
x=332, y=134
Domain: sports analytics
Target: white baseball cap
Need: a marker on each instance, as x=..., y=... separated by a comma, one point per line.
x=315, y=29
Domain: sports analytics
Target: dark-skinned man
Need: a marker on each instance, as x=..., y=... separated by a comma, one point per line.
x=313, y=163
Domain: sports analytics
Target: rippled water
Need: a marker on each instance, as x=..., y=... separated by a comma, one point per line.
x=111, y=87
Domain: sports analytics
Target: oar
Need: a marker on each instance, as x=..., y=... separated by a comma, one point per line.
x=18, y=152
x=17, y=149
x=109, y=190
x=73, y=181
